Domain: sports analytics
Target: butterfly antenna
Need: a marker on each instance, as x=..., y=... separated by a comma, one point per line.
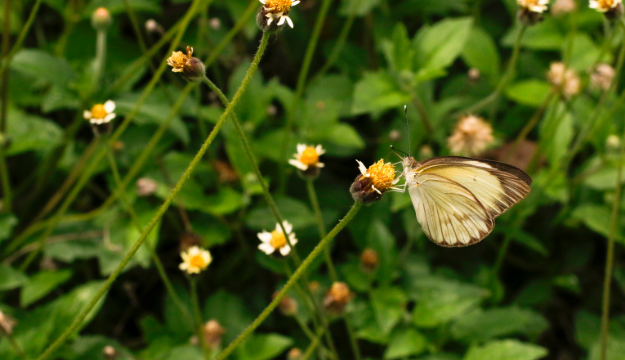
x=403, y=152
x=408, y=126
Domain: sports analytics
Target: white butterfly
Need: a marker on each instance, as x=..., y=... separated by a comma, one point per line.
x=457, y=199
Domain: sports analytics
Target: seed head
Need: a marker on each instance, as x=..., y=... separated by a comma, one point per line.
x=602, y=76
x=369, y=260
x=471, y=136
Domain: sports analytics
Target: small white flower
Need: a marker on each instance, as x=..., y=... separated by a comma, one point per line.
x=278, y=10
x=275, y=240
x=537, y=6
x=604, y=5
x=100, y=113
x=195, y=260
x=307, y=156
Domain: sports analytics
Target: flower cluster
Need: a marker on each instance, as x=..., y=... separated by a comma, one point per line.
x=471, y=136
x=602, y=76
x=276, y=240
x=565, y=80
x=373, y=182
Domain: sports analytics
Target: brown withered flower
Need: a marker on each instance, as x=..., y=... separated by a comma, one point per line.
x=369, y=260
x=287, y=305
x=213, y=332
x=192, y=68
x=337, y=298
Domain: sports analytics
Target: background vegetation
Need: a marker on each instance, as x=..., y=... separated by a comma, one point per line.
x=533, y=289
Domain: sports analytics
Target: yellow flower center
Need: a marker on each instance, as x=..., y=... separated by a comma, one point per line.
x=605, y=4
x=197, y=261
x=98, y=112
x=309, y=156
x=278, y=6
x=278, y=240
x=382, y=175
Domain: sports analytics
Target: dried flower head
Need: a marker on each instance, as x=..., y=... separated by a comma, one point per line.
x=195, y=260
x=373, y=182
x=471, y=136
x=110, y=353
x=602, y=76
x=337, y=298
x=473, y=75
x=6, y=324
x=294, y=354
x=369, y=260
x=530, y=11
x=152, y=26
x=307, y=159
x=274, y=13
x=561, y=7
x=100, y=117
x=213, y=331
x=191, y=67
x=215, y=23
x=276, y=240
x=146, y=187
x=101, y=19
x=287, y=305
x=565, y=80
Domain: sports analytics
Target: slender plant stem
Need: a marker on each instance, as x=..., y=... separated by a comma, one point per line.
x=352, y=337
x=502, y=83
x=4, y=178
x=299, y=90
x=4, y=103
x=292, y=280
x=20, y=38
x=15, y=345
x=186, y=175
x=314, y=202
x=423, y=114
x=198, y=318
x=609, y=262
x=313, y=345
x=100, y=59
x=135, y=220
x=338, y=47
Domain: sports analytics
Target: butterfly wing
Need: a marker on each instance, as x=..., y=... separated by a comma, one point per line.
x=457, y=199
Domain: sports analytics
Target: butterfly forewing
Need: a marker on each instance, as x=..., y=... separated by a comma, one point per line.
x=457, y=199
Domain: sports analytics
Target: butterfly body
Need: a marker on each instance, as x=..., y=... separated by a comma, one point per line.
x=456, y=199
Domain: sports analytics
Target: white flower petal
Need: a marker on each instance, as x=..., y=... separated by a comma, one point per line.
x=184, y=266
x=86, y=114
x=320, y=165
x=298, y=164
x=285, y=250
x=109, y=117
x=361, y=167
x=109, y=106
x=293, y=239
x=266, y=248
x=264, y=236
x=269, y=20
x=301, y=148
x=320, y=150
x=281, y=21
x=288, y=227
x=295, y=3
x=288, y=20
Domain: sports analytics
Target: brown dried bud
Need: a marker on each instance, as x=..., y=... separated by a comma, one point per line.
x=473, y=76
x=213, y=332
x=146, y=187
x=287, y=305
x=337, y=298
x=6, y=324
x=101, y=19
x=110, y=353
x=225, y=171
x=118, y=145
x=294, y=354
x=369, y=260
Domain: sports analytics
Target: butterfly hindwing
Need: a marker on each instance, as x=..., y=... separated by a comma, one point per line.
x=457, y=199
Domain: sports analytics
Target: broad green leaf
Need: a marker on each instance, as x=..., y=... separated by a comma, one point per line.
x=357, y=7
x=506, y=350
x=569, y=282
x=528, y=92
x=596, y=218
x=616, y=349
x=41, y=284
x=380, y=239
x=485, y=325
x=439, y=45
x=546, y=35
x=292, y=210
x=584, y=52
x=389, y=305
x=11, y=278
x=404, y=343
x=399, y=52
x=480, y=52
x=603, y=179
x=587, y=328
x=230, y=311
x=42, y=65
x=90, y=347
x=345, y=136
x=263, y=347
x=31, y=133
x=7, y=222
x=377, y=92
x=556, y=132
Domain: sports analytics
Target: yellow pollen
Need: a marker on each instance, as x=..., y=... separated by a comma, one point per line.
x=605, y=4
x=309, y=156
x=278, y=240
x=278, y=6
x=98, y=112
x=382, y=175
x=197, y=261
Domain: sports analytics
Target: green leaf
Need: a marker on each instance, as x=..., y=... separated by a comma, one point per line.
x=41, y=284
x=595, y=217
x=485, y=325
x=263, y=347
x=344, y=135
x=399, y=52
x=615, y=350
x=7, y=222
x=357, y=7
x=11, y=278
x=230, y=311
x=546, y=35
x=42, y=65
x=480, y=52
x=377, y=92
x=603, y=179
x=404, y=343
x=30, y=132
x=439, y=45
x=556, y=132
x=529, y=92
x=506, y=350
x=293, y=211
x=587, y=328
x=380, y=239
x=389, y=305
x=584, y=52
x=569, y=282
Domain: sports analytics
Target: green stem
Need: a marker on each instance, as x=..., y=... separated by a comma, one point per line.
x=4, y=104
x=336, y=50
x=100, y=59
x=609, y=262
x=15, y=345
x=20, y=38
x=135, y=220
x=292, y=280
x=299, y=90
x=198, y=318
x=502, y=83
x=312, y=194
x=313, y=345
x=186, y=175
x=6, y=185
x=352, y=337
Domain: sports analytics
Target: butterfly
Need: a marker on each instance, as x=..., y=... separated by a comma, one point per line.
x=457, y=199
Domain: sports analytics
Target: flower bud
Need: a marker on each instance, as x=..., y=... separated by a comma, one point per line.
x=294, y=354
x=287, y=305
x=151, y=26
x=561, y=7
x=369, y=260
x=602, y=76
x=110, y=353
x=146, y=187
x=274, y=14
x=214, y=23
x=613, y=144
x=394, y=135
x=373, y=182
x=101, y=19
x=337, y=298
x=192, y=68
x=473, y=76
x=213, y=332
